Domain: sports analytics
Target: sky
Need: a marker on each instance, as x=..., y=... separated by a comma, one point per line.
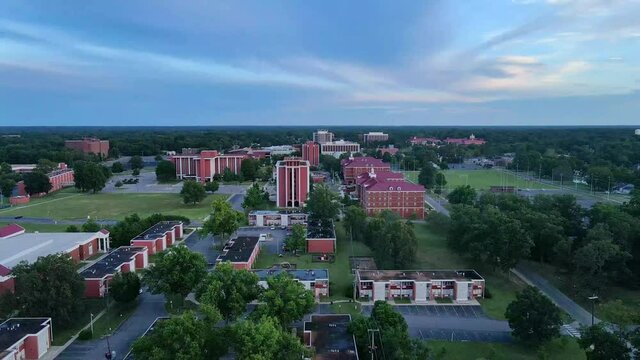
x=378, y=63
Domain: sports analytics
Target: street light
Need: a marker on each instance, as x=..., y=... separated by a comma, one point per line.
x=593, y=307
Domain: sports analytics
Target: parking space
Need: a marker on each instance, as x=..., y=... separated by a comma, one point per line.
x=457, y=311
x=273, y=244
x=462, y=335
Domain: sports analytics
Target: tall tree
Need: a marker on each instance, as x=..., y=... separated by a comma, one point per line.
x=249, y=169
x=192, y=192
x=600, y=344
x=136, y=162
x=51, y=286
x=211, y=186
x=462, y=195
x=223, y=219
x=427, y=176
x=176, y=271
x=6, y=186
x=117, y=167
x=229, y=290
x=165, y=171
x=46, y=166
x=125, y=287
x=285, y=299
x=323, y=203
x=89, y=176
x=297, y=241
x=91, y=226
x=355, y=220
x=255, y=198
x=533, y=317
x=36, y=182
x=264, y=339
x=396, y=247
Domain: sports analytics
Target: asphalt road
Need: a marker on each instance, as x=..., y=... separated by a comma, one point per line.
x=236, y=201
x=436, y=204
x=150, y=307
x=35, y=220
x=203, y=245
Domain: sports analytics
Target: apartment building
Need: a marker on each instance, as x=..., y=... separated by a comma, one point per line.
x=292, y=182
x=316, y=280
x=339, y=147
x=354, y=166
x=25, y=338
x=204, y=165
x=276, y=218
x=390, y=191
x=241, y=252
x=311, y=153
x=322, y=136
x=160, y=236
x=375, y=136
x=89, y=146
x=123, y=259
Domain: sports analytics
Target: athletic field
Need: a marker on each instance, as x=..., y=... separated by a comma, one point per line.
x=483, y=179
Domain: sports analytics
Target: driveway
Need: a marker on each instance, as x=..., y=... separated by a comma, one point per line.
x=150, y=307
x=236, y=201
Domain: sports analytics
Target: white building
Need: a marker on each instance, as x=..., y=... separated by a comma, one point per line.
x=276, y=218
x=337, y=148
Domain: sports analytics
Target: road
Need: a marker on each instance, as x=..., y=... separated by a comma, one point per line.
x=436, y=205
x=35, y=220
x=150, y=307
x=236, y=201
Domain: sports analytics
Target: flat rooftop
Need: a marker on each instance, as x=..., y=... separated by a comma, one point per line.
x=157, y=230
x=14, y=329
x=418, y=275
x=276, y=212
x=108, y=264
x=300, y=274
x=30, y=246
x=239, y=249
x=330, y=337
x=321, y=230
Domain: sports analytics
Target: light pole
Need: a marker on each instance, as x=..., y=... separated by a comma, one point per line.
x=593, y=307
x=91, y=322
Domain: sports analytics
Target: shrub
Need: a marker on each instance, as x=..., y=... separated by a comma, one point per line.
x=118, y=184
x=85, y=335
x=487, y=293
x=135, y=172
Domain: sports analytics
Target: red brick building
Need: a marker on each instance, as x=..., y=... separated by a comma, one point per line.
x=389, y=191
x=429, y=141
x=89, y=146
x=471, y=140
x=159, y=237
x=391, y=150
x=354, y=166
x=241, y=252
x=25, y=338
x=204, y=165
x=59, y=178
x=123, y=259
x=292, y=182
x=321, y=237
x=311, y=153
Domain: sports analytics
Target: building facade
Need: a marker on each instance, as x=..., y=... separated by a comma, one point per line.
x=389, y=191
x=98, y=275
x=316, y=280
x=337, y=148
x=25, y=338
x=311, y=153
x=89, y=146
x=419, y=286
x=292, y=182
x=204, y=165
x=354, y=166
x=59, y=179
x=375, y=136
x=241, y=252
x=159, y=237
x=276, y=218
x=323, y=136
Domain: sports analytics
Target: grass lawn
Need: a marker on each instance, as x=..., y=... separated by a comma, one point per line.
x=66, y=206
x=352, y=309
x=482, y=179
x=115, y=316
x=31, y=227
x=433, y=253
x=559, y=349
x=92, y=306
x=340, y=277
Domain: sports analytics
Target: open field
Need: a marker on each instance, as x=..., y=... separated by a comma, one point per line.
x=433, y=253
x=31, y=227
x=482, y=179
x=559, y=349
x=70, y=205
x=339, y=271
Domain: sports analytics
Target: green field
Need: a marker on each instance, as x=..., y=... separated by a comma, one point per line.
x=482, y=179
x=559, y=349
x=31, y=227
x=68, y=205
x=339, y=271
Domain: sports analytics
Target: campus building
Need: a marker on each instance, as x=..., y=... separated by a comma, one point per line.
x=419, y=286
x=322, y=136
x=16, y=245
x=241, y=252
x=276, y=218
x=25, y=338
x=59, y=178
x=292, y=182
x=428, y=141
x=251, y=153
x=375, y=136
x=123, y=259
x=471, y=140
x=328, y=335
x=159, y=237
x=390, y=191
x=311, y=153
x=391, y=150
x=204, y=165
x=89, y=146
x=337, y=148
x=354, y=166
x=321, y=237
x=316, y=280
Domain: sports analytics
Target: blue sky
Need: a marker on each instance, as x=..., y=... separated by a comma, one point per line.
x=480, y=62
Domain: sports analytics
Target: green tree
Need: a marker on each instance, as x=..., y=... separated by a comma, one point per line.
x=36, y=182
x=89, y=176
x=135, y=172
x=323, y=204
x=600, y=344
x=72, y=228
x=51, y=286
x=633, y=205
x=136, y=162
x=211, y=186
x=91, y=226
x=249, y=169
x=462, y=195
x=46, y=166
x=176, y=271
x=223, y=219
x=229, y=290
x=5, y=168
x=297, y=241
x=6, y=186
x=255, y=198
x=118, y=184
x=192, y=192
x=396, y=247
x=285, y=299
x=427, y=176
x=117, y=167
x=441, y=182
x=165, y=171
x=533, y=317
x=265, y=340
x=599, y=177
x=125, y=287
x=355, y=220
x=229, y=176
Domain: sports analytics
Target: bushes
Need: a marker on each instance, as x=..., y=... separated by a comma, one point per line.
x=85, y=335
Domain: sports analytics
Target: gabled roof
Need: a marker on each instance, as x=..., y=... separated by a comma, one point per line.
x=4, y=271
x=364, y=161
x=392, y=184
x=10, y=230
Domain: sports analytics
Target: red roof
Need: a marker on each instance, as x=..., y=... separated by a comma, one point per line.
x=364, y=161
x=104, y=231
x=363, y=178
x=388, y=182
x=10, y=230
x=4, y=271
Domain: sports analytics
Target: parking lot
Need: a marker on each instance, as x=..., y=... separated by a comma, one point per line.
x=272, y=243
x=461, y=311
x=463, y=335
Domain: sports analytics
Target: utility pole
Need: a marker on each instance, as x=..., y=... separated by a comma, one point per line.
x=373, y=339
x=593, y=307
